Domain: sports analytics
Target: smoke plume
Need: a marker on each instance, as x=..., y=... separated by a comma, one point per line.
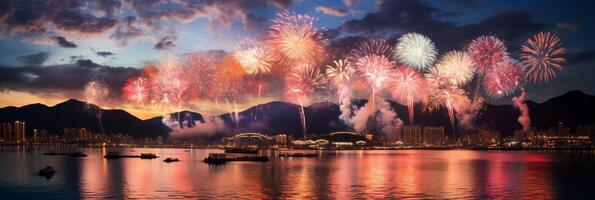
x=524, y=119
x=468, y=112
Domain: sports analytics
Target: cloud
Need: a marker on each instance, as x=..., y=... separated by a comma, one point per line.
x=105, y=54
x=165, y=43
x=394, y=18
x=567, y=26
x=349, y=2
x=63, y=42
x=65, y=78
x=35, y=59
x=332, y=11
x=580, y=57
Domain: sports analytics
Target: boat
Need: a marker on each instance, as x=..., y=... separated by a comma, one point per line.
x=168, y=160
x=148, y=156
x=241, y=150
x=221, y=158
x=47, y=171
x=55, y=154
x=77, y=154
x=116, y=154
x=287, y=154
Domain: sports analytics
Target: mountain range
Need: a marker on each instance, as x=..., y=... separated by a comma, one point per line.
x=573, y=109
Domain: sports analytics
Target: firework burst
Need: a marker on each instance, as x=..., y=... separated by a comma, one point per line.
x=372, y=63
x=408, y=87
x=136, y=90
x=457, y=67
x=503, y=79
x=340, y=72
x=486, y=52
x=443, y=93
x=294, y=38
x=542, y=54
x=254, y=59
x=300, y=84
x=95, y=92
x=416, y=50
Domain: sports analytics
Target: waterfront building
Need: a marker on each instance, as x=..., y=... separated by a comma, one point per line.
x=19, y=131
x=433, y=136
x=6, y=132
x=412, y=135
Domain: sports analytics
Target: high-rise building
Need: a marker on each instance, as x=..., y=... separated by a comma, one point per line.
x=19, y=131
x=6, y=132
x=412, y=135
x=434, y=136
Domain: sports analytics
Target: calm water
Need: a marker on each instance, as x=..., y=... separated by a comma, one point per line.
x=332, y=175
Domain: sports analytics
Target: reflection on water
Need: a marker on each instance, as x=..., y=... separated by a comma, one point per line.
x=331, y=175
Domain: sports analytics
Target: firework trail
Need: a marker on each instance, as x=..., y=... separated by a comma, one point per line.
x=503, y=79
x=95, y=93
x=408, y=87
x=300, y=84
x=457, y=67
x=340, y=74
x=253, y=58
x=230, y=81
x=524, y=119
x=294, y=39
x=542, y=55
x=443, y=93
x=486, y=52
x=416, y=50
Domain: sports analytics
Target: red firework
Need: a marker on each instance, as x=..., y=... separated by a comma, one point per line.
x=486, y=52
x=136, y=90
x=503, y=79
x=408, y=87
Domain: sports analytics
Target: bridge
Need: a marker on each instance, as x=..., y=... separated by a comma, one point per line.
x=250, y=135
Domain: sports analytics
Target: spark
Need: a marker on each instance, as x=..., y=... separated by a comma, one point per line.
x=542, y=54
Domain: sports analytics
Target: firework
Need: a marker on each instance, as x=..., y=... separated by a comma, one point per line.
x=95, y=92
x=542, y=54
x=300, y=84
x=340, y=72
x=169, y=85
x=457, y=67
x=443, y=93
x=372, y=63
x=201, y=73
x=503, y=79
x=137, y=90
x=253, y=58
x=408, y=87
x=294, y=38
x=486, y=52
x=416, y=50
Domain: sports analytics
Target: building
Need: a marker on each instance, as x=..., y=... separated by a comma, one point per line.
x=6, y=132
x=281, y=139
x=434, y=136
x=19, y=131
x=520, y=135
x=412, y=135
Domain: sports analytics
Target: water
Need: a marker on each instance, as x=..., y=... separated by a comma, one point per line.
x=332, y=175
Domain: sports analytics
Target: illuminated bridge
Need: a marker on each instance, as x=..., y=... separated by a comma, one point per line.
x=249, y=139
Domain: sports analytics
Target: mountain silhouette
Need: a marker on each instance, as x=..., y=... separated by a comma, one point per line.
x=573, y=109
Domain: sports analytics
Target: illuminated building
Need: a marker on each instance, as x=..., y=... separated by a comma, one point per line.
x=412, y=135
x=6, y=132
x=433, y=136
x=19, y=131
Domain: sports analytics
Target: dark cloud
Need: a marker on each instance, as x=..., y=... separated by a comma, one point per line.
x=581, y=57
x=394, y=18
x=165, y=43
x=105, y=54
x=33, y=17
x=63, y=42
x=35, y=59
x=567, y=26
x=64, y=78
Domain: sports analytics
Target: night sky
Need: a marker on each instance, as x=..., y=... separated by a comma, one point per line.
x=50, y=49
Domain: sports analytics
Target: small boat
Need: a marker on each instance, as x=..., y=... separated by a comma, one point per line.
x=116, y=154
x=221, y=158
x=241, y=150
x=148, y=156
x=47, y=171
x=77, y=154
x=54, y=154
x=168, y=160
x=286, y=154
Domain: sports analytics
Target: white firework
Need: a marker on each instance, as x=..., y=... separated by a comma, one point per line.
x=416, y=50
